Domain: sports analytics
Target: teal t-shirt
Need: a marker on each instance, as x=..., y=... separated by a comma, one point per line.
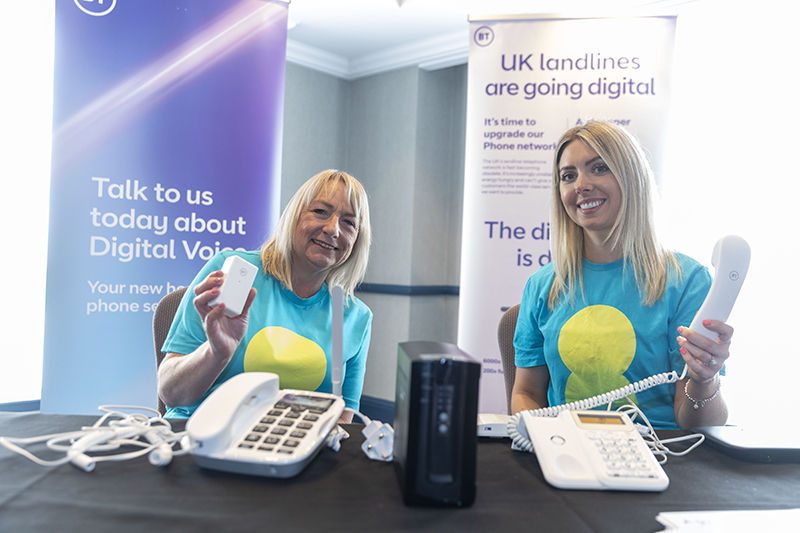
x=610, y=339
x=286, y=335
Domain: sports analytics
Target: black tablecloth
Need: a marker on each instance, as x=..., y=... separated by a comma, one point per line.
x=345, y=491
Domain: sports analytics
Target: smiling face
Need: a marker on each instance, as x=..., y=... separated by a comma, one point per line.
x=589, y=191
x=324, y=236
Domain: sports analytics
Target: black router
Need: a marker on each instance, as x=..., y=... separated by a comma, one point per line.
x=435, y=424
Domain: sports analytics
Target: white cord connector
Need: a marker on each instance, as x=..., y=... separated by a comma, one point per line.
x=83, y=461
x=77, y=451
x=335, y=438
x=161, y=455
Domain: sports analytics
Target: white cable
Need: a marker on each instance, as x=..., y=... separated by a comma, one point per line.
x=337, y=434
x=337, y=339
x=112, y=430
x=14, y=444
x=657, y=446
x=609, y=397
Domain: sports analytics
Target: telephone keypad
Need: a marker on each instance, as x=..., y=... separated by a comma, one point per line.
x=283, y=414
x=622, y=455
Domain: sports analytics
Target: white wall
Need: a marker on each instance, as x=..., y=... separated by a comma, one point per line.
x=730, y=169
x=26, y=94
x=731, y=164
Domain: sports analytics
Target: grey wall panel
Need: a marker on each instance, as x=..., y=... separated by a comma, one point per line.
x=315, y=126
x=401, y=134
x=381, y=153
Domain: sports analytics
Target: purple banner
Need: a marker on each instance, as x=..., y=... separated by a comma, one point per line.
x=167, y=130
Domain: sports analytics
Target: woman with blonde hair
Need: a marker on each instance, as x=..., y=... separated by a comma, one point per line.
x=610, y=308
x=322, y=240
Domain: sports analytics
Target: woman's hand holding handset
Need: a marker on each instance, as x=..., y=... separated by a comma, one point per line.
x=704, y=356
x=223, y=332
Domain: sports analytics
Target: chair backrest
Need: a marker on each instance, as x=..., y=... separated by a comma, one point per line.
x=162, y=320
x=505, y=338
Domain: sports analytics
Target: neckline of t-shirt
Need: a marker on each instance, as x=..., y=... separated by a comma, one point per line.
x=311, y=300
x=602, y=266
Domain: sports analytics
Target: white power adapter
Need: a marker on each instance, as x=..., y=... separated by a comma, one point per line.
x=379, y=443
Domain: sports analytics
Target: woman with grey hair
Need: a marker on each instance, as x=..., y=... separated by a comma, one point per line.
x=613, y=305
x=322, y=240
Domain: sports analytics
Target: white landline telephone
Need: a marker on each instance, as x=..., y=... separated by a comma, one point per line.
x=594, y=450
x=249, y=426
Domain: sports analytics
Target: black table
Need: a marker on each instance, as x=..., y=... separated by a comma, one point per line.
x=345, y=491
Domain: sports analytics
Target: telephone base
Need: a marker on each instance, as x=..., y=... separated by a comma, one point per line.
x=249, y=426
x=255, y=469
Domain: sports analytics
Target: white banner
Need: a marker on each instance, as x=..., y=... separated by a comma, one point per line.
x=530, y=81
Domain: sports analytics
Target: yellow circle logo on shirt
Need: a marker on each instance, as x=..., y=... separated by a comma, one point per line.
x=300, y=362
x=597, y=344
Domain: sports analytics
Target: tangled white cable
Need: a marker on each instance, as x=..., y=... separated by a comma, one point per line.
x=656, y=445
x=111, y=431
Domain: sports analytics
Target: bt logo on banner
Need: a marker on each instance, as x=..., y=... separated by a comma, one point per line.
x=484, y=36
x=96, y=8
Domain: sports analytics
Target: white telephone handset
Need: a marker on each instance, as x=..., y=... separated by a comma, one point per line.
x=249, y=426
x=731, y=259
x=593, y=450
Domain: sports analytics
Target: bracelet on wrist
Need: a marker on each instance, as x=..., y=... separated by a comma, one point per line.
x=701, y=403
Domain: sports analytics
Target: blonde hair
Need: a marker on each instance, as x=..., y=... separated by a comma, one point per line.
x=634, y=228
x=276, y=253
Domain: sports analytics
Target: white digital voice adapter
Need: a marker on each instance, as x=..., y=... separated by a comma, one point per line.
x=731, y=259
x=239, y=276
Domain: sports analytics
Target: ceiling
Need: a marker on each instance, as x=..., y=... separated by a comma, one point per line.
x=356, y=38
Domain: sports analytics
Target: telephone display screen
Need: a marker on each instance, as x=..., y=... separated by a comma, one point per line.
x=308, y=402
x=591, y=418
